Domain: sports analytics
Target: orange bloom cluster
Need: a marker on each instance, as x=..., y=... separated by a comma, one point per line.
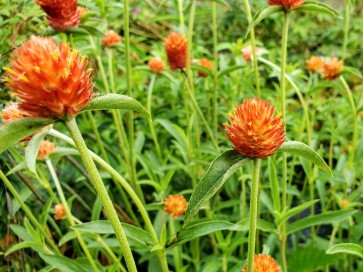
x=263, y=263
x=61, y=14
x=111, y=38
x=332, y=68
x=50, y=80
x=59, y=212
x=175, y=205
x=156, y=65
x=247, y=53
x=206, y=64
x=289, y=4
x=12, y=113
x=45, y=149
x=254, y=130
x=6, y=242
x=176, y=47
x=314, y=64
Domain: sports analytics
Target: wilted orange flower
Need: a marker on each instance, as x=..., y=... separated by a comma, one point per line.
x=206, y=64
x=254, y=130
x=290, y=4
x=59, y=212
x=6, y=241
x=176, y=47
x=175, y=205
x=45, y=149
x=50, y=80
x=111, y=38
x=156, y=65
x=12, y=113
x=247, y=53
x=263, y=263
x=332, y=68
x=314, y=64
x=61, y=14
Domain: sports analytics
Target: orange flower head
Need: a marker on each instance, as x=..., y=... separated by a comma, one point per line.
x=12, y=113
x=288, y=4
x=247, y=53
x=176, y=47
x=175, y=205
x=345, y=203
x=332, y=68
x=61, y=14
x=255, y=131
x=82, y=11
x=263, y=263
x=45, y=149
x=111, y=38
x=314, y=64
x=206, y=64
x=59, y=212
x=50, y=80
x=156, y=65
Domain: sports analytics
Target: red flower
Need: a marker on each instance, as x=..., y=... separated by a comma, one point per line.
x=111, y=38
x=206, y=64
x=156, y=65
x=175, y=205
x=50, y=80
x=332, y=68
x=314, y=64
x=289, y=4
x=254, y=130
x=61, y=14
x=45, y=149
x=263, y=263
x=176, y=47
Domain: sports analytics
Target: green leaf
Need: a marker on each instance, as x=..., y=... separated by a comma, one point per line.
x=230, y=70
x=346, y=248
x=114, y=101
x=217, y=174
x=18, y=130
x=294, y=211
x=261, y=15
x=301, y=149
x=325, y=218
x=63, y=263
x=351, y=71
x=318, y=7
x=25, y=244
x=63, y=151
x=32, y=148
x=70, y=235
x=105, y=227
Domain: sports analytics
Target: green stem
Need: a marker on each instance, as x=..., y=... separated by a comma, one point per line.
x=129, y=190
x=110, y=70
x=253, y=44
x=69, y=214
x=346, y=27
x=177, y=259
x=181, y=17
x=215, y=69
x=28, y=212
x=253, y=212
x=102, y=192
x=97, y=134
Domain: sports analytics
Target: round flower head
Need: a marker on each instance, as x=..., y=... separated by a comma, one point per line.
x=314, y=64
x=288, y=4
x=50, y=80
x=111, y=38
x=254, y=130
x=12, y=113
x=156, y=65
x=206, y=64
x=332, y=68
x=175, y=205
x=263, y=263
x=247, y=53
x=61, y=14
x=59, y=212
x=176, y=46
x=45, y=149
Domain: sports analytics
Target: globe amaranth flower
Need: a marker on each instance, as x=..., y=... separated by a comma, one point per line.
x=175, y=205
x=12, y=113
x=45, y=149
x=264, y=263
x=206, y=64
x=314, y=64
x=331, y=68
x=156, y=65
x=288, y=4
x=176, y=47
x=111, y=38
x=247, y=53
x=50, y=80
x=254, y=129
x=61, y=14
x=59, y=212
